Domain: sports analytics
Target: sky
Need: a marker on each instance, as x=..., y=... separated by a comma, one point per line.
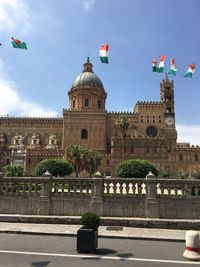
x=61, y=34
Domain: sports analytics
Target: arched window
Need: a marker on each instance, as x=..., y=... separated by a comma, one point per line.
x=196, y=157
x=84, y=134
x=99, y=104
x=74, y=103
x=180, y=157
x=86, y=102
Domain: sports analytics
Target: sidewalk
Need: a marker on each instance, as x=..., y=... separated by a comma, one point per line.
x=104, y=231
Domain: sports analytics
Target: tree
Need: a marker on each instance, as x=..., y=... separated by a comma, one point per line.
x=14, y=171
x=122, y=124
x=92, y=161
x=135, y=169
x=83, y=159
x=57, y=167
x=76, y=156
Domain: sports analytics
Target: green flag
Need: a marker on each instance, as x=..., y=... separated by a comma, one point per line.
x=18, y=44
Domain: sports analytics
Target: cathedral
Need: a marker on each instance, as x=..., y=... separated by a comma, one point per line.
x=151, y=133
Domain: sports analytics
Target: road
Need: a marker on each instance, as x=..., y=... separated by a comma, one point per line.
x=50, y=251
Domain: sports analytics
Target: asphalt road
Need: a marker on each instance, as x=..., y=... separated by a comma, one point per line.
x=39, y=250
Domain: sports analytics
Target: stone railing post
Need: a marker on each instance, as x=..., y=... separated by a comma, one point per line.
x=45, y=206
x=152, y=203
x=97, y=194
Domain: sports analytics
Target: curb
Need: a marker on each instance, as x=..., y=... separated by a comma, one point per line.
x=106, y=221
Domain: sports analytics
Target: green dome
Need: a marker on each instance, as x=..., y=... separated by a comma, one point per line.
x=87, y=77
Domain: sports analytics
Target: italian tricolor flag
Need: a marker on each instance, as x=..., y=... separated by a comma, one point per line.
x=173, y=68
x=161, y=64
x=154, y=65
x=104, y=53
x=190, y=71
x=18, y=44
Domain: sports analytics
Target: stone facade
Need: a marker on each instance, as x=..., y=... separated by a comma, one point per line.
x=151, y=133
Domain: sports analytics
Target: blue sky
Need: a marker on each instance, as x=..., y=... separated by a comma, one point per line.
x=60, y=34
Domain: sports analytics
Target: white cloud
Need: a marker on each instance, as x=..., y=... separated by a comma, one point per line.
x=88, y=4
x=189, y=134
x=12, y=103
x=14, y=14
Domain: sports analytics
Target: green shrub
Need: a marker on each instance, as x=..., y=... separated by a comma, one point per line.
x=164, y=174
x=135, y=169
x=90, y=220
x=196, y=176
x=182, y=175
x=57, y=167
x=14, y=171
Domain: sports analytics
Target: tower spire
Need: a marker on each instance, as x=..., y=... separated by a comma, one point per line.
x=166, y=77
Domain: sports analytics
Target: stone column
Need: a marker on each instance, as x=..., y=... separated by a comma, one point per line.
x=97, y=194
x=45, y=205
x=152, y=203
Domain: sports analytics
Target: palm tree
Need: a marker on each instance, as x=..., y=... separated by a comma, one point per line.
x=122, y=124
x=75, y=155
x=92, y=161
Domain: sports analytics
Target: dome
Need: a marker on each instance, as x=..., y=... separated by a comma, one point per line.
x=87, y=92
x=87, y=77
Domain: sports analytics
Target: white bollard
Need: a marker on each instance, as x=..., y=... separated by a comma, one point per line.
x=192, y=249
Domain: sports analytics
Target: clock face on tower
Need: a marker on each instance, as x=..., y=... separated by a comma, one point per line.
x=169, y=121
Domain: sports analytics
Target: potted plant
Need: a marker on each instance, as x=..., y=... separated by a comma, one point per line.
x=87, y=235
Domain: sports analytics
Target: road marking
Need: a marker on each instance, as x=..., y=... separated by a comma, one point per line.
x=96, y=257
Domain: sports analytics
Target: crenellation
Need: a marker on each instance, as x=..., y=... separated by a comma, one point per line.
x=120, y=113
x=30, y=120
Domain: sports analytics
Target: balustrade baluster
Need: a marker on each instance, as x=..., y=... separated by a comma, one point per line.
x=120, y=188
x=139, y=189
x=114, y=188
x=175, y=191
x=126, y=188
x=105, y=188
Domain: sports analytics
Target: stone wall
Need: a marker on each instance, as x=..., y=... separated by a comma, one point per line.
x=119, y=197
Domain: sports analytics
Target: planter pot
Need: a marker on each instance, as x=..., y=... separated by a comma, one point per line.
x=87, y=240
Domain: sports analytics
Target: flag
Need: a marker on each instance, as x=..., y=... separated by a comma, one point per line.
x=18, y=44
x=190, y=71
x=173, y=68
x=154, y=64
x=161, y=64
x=104, y=53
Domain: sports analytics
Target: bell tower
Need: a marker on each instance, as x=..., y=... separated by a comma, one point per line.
x=167, y=96
x=167, y=101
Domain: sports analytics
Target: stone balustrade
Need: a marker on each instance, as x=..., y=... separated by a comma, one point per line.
x=125, y=197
